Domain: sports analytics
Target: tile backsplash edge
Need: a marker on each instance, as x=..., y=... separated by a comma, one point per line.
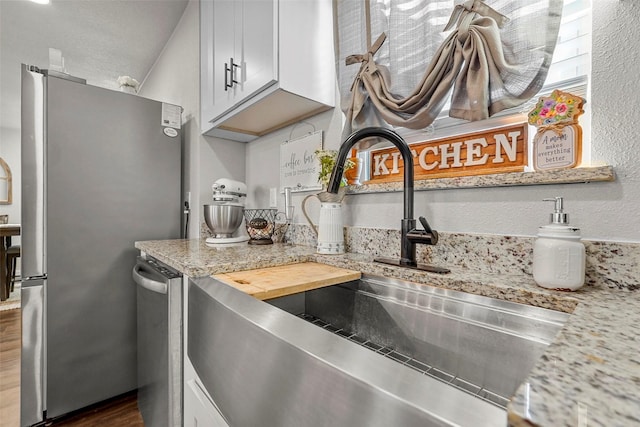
x=613, y=265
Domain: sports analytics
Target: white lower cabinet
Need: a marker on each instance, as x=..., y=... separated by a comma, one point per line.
x=199, y=410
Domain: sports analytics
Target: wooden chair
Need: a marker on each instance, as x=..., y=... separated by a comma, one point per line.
x=13, y=252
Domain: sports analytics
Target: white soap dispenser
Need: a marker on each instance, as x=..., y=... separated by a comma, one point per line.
x=558, y=253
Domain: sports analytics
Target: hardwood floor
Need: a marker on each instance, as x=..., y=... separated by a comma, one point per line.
x=10, y=334
x=121, y=411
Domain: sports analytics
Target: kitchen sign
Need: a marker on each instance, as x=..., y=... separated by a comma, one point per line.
x=494, y=151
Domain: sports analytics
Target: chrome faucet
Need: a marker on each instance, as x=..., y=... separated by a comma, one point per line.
x=410, y=236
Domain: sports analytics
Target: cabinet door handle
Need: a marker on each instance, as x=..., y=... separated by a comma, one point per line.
x=229, y=71
x=226, y=76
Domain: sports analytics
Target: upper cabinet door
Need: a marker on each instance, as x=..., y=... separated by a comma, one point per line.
x=225, y=26
x=244, y=51
x=259, y=45
x=207, y=63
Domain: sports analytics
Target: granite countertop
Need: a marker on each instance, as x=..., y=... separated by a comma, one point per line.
x=590, y=375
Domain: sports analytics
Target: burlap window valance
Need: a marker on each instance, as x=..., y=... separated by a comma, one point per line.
x=488, y=56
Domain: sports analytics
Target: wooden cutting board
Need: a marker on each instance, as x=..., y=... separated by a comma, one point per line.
x=273, y=282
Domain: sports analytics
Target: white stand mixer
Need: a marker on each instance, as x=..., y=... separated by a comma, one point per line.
x=225, y=214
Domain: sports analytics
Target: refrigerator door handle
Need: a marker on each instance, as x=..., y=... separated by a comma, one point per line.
x=33, y=121
x=141, y=277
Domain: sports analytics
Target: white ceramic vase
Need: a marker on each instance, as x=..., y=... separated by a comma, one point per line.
x=330, y=226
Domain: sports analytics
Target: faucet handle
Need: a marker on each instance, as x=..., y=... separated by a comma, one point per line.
x=425, y=225
x=428, y=236
x=428, y=229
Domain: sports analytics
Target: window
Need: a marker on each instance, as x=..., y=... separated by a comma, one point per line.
x=569, y=70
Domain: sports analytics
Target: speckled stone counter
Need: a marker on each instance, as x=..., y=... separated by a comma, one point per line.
x=195, y=258
x=589, y=376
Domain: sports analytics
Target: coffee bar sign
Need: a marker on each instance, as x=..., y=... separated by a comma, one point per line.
x=299, y=166
x=493, y=151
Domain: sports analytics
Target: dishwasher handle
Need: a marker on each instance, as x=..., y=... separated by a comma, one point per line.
x=142, y=277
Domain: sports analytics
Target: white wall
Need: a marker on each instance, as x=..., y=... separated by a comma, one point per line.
x=175, y=79
x=604, y=211
x=263, y=155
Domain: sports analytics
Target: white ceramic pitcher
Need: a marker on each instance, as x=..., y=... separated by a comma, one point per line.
x=329, y=229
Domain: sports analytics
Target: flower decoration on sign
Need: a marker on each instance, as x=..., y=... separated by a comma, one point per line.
x=559, y=108
x=327, y=161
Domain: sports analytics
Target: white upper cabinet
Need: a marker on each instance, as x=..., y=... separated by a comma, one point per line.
x=264, y=64
x=245, y=50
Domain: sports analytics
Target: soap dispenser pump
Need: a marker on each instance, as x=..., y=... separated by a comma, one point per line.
x=558, y=253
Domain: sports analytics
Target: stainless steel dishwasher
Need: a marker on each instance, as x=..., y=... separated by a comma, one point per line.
x=159, y=300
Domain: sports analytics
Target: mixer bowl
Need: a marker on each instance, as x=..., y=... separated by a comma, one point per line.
x=223, y=220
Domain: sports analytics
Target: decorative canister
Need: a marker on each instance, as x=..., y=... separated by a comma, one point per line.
x=260, y=225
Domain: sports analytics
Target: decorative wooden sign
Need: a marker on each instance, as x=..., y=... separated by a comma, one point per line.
x=558, y=141
x=557, y=148
x=298, y=164
x=497, y=150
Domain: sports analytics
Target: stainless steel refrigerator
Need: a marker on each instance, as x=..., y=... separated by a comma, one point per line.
x=100, y=170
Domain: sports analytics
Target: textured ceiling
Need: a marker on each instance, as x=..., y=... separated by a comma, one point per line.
x=100, y=40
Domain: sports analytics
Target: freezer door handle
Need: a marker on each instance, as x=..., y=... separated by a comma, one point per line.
x=32, y=385
x=143, y=277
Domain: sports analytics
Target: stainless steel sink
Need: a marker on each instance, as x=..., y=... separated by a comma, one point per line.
x=482, y=345
x=374, y=352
